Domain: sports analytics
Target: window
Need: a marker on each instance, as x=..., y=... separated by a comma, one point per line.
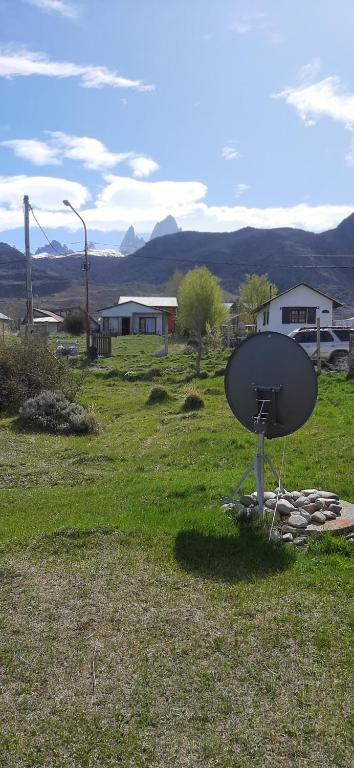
x=306, y=337
x=342, y=334
x=326, y=336
x=147, y=324
x=298, y=315
x=266, y=317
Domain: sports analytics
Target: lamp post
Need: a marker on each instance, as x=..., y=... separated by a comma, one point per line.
x=86, y=267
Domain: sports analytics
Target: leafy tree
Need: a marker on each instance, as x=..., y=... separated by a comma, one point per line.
x=74, y=323
x=254, y=291
x=174, y=283
x=200, y=306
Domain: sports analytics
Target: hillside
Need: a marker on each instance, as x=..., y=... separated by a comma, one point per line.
x=287, y=255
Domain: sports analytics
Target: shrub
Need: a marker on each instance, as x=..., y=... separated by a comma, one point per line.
x=193, y=401
x=74, y=323
x=26, y=369
x=157, y=395
x=52, y=412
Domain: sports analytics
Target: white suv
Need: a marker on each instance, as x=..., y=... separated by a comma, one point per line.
x=334, y=344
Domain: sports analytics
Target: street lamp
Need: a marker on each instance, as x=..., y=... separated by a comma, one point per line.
x=86, y=267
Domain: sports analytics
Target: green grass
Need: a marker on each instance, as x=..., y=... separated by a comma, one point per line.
x=139, y=627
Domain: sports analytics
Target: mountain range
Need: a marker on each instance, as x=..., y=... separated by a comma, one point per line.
x=288, y=256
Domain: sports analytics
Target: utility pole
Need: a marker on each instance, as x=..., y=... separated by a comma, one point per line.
x=318, y=345
x=86, y=267
x=29, y=293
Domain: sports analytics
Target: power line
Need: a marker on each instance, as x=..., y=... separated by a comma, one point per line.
x=42, y=230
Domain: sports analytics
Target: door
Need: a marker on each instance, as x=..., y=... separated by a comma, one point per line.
x=125, y=326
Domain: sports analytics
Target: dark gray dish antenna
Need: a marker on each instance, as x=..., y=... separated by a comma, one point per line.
x=271, y=384
x=271, y=388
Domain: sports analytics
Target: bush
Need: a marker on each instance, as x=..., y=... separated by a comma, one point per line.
x=26, y=369
x=75, y=323
x=157, y=395
x=193, y=401
x=52, y=412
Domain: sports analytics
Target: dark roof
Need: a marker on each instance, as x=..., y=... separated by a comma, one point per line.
x=335, y=302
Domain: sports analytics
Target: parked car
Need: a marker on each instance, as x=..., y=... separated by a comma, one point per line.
x=334, y=344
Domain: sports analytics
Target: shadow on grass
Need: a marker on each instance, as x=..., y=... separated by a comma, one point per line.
x=243, y=556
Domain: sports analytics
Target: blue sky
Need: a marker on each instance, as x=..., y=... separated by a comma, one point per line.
x=225, y=114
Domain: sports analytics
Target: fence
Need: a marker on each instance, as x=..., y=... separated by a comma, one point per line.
x=103, y=344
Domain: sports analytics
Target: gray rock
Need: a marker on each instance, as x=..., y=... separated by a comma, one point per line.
x=311, y=508
x=327, y=495
x=321, y=504
x=318, y=517
x=335, y=508
x=310, y=491
x=275, y=535
x=295, y=494
x=305, y=515
x=350, y=536
x=300, y=501
x=247, y=500
x=268, y=495
x=287, y=537
x=270, y=503
x=329, y=515
x=288, y=497
x=228, y=507
x=297, y=521
x=300, y=541
x=285, y=507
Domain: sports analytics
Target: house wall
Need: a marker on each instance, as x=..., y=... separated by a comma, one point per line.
x=301, y=296
x=112, y=317
x=171, y=317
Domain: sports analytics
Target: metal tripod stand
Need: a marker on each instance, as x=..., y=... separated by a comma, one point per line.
x=266, y=409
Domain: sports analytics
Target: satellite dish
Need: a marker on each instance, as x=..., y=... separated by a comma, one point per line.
x=271, y=388
x=270, y=368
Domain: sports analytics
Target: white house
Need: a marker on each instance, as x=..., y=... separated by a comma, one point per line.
x=296, y=307
x=132, y=317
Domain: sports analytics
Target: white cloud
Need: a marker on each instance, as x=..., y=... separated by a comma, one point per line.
x=230, y=153
x=240, y=189
x=326, y=98
x=126, y=201
x=68, y=10
x=92, y=153
x=143, y=166
x=23, y=63
x=45, y=192
x=37, y=152
x=257, y=21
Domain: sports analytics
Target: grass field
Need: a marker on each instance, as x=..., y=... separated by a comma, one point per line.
x=139, y=627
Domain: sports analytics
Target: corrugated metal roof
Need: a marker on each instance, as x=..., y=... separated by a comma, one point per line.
x=151, y=301
x=4, y=317
x=48, y=319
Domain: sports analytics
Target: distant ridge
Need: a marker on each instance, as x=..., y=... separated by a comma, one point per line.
x=288, y=256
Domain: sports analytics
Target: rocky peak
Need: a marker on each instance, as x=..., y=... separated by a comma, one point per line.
x=131, y=242
x=167, y=226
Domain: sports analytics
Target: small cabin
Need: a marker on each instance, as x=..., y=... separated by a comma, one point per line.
x=132, y=317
